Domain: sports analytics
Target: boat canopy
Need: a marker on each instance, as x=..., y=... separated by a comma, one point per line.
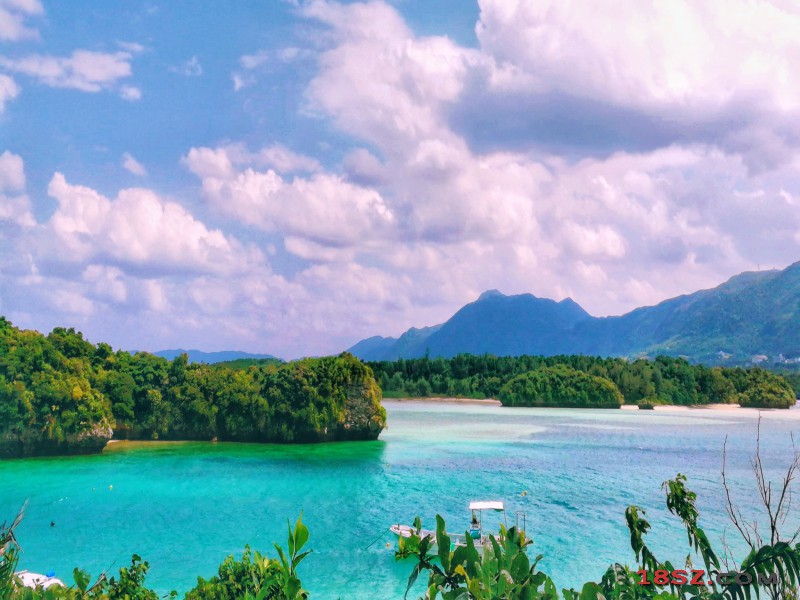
x=486, y=505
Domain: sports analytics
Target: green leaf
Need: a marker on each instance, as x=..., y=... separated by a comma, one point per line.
x=412, y=579
x=282, y=556
x=520, y=567
x=82, y=579
x=590, y=591
x=443, y=543
x=297, y=559
x=300, y=534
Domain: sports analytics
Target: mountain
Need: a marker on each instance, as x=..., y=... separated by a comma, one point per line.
x=498, y=324
x=752, y=313
x=198, y=356
x=411, y=343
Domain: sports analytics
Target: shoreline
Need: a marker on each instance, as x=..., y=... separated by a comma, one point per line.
x=658, y=407
x=446, y=400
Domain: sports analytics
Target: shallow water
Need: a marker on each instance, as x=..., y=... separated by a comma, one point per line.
x=185, y=506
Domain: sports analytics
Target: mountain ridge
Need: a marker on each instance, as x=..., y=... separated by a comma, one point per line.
x=752, y=313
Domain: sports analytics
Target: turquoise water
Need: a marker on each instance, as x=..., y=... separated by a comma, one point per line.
x=185, y=506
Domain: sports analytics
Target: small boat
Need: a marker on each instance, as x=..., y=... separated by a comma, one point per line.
x=37, y=580
x=475, y=530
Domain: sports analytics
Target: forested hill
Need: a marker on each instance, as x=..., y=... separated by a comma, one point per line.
x=584, y=381
x=750, y=315
x=61, y=394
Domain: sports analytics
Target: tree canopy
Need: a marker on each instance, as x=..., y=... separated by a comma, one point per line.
x=60, y=393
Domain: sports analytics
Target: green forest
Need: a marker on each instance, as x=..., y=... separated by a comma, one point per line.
x=553, y=381
x=62, y=394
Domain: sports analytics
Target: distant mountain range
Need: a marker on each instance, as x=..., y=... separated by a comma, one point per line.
x=198, y=356
x=750, y=317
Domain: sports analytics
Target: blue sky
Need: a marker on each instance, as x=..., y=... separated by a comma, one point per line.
x=292, y=176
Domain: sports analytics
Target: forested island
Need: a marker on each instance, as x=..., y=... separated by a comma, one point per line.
x=60, y=394
x=583, y=381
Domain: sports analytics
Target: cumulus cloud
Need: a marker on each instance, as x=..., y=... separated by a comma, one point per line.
x=638, y=75
x=681, y=53
x=137, y=229
x=563, y=227
x=84, y=70
x=380, y=82
x=324, y=209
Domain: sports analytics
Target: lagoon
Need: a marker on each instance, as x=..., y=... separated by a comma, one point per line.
x=184, y=506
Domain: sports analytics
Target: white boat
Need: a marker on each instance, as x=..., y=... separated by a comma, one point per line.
x=37, y=580
x=475, y=529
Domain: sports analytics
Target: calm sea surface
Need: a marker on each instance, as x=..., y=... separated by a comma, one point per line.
x=185, y=506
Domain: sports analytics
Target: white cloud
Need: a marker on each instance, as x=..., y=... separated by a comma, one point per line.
x=15, y=206
x=83, y=70
x=106, y=282
x=132, y=47
x=252, y=61
x=324, y=209
x=13, y=14
x=381, y=83
x=12, y=172
x=557, y=228
x=283, y=160
x=282, y=55
x=140, y=230
x=679, y=52
x=219, y=162
x=240, y=82
x=8, y=90
x=133, y=166
x=209, y=163
x=130, y=93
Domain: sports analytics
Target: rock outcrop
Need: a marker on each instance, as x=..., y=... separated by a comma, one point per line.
x=33, y=443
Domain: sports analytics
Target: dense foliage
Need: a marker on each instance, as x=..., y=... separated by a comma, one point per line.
x=256, y=576
x=661, y=381
x=60, y=393
x=560, y=386
x=767, y=395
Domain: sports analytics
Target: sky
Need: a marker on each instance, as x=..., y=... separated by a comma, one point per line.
x=290, y=177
